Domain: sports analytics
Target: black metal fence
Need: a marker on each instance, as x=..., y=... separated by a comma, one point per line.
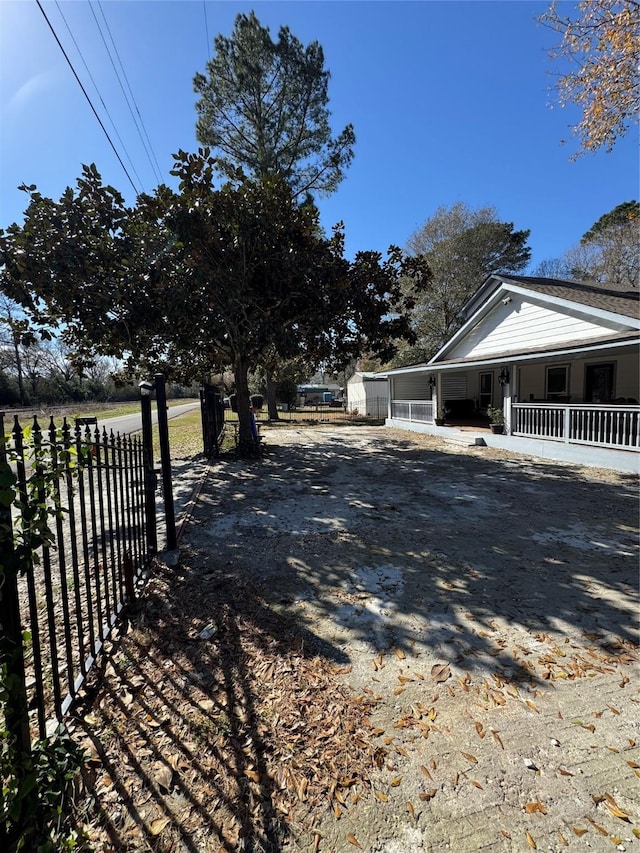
x=75, y=545
x=212, y=413
x=357, y=410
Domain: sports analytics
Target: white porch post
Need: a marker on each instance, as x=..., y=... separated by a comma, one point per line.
x=510, y=395
x=391, y=395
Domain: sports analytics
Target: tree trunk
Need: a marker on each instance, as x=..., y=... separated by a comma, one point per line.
x=272, y=407
x=246, y=444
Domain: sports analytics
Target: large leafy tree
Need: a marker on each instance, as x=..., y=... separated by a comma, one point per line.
x=186, y=280
x=462, y=246
x=263, y=107
x=609, y=251
x=599, y=49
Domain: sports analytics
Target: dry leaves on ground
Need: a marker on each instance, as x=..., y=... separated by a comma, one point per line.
x=242, y=738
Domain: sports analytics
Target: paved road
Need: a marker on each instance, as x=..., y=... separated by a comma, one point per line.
x=133, y=423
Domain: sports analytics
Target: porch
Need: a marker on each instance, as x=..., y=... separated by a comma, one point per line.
x=602, y=425
x=600, y=435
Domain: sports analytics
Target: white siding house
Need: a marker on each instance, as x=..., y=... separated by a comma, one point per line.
x=368, y=393
x=560, y=358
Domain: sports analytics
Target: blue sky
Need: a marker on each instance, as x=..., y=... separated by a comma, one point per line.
x=450, y=102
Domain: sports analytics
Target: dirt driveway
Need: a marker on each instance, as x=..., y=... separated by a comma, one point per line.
x=441, y=654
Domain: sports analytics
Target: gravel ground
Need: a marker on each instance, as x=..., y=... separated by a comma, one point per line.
x=487, y=602
x=481, y=606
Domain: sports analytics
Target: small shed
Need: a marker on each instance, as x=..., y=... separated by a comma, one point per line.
x=369, y=394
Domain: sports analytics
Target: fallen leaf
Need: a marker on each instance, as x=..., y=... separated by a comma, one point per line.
x=425, y=771
x=399, y=654
x=614, y=808
x=301, y=789
x=497, y=738
x=162, y=774
x=440, y=672
x=596, y=826
x=395, y=781
x=411, y=809
x=379, y=795
x=158, y=825
x=425, y=796
x=353, y=840
x=470, y=757
x=579, y=831
x=505, y=833
x=535, y=806
x=564, y=840
x=531, y=705
x=476, y=783
x=531, y=842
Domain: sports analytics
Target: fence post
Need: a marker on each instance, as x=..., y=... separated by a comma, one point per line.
x=149, y=474
x=11, y=648
x=165, y=461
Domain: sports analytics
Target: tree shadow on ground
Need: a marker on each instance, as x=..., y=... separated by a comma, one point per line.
x=198, y=716
x=484, y=561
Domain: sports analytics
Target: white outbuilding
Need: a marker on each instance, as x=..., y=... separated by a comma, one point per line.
x=369, y=394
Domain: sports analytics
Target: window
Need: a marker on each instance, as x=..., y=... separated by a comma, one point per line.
x=557, y=382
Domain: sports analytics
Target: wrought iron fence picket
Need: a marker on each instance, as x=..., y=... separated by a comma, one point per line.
x=85, y=552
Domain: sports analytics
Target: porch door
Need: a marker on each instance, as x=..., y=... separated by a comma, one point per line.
x=486, y=391
x=598, y=383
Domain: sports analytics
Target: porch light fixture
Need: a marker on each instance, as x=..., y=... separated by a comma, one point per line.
x=145, y=388
x=503, y=379
x=432, y=382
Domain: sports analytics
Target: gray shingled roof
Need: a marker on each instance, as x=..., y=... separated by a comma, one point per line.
x=606, y=297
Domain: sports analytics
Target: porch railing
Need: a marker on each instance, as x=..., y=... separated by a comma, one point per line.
x=413, y=410
x=605, y=426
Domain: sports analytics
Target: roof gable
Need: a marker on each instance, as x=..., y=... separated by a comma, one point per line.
x=515, y=314
x=612, y=298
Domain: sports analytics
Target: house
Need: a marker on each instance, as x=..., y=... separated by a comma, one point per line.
x=560, y=358
x=368, y=393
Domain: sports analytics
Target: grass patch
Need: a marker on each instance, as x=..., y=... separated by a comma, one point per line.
x=185, y=436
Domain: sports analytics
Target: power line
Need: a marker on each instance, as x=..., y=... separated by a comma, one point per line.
x=206, y=27
x=84, y=92
x=106, y=109
x=126, y=79
x=115, y=70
